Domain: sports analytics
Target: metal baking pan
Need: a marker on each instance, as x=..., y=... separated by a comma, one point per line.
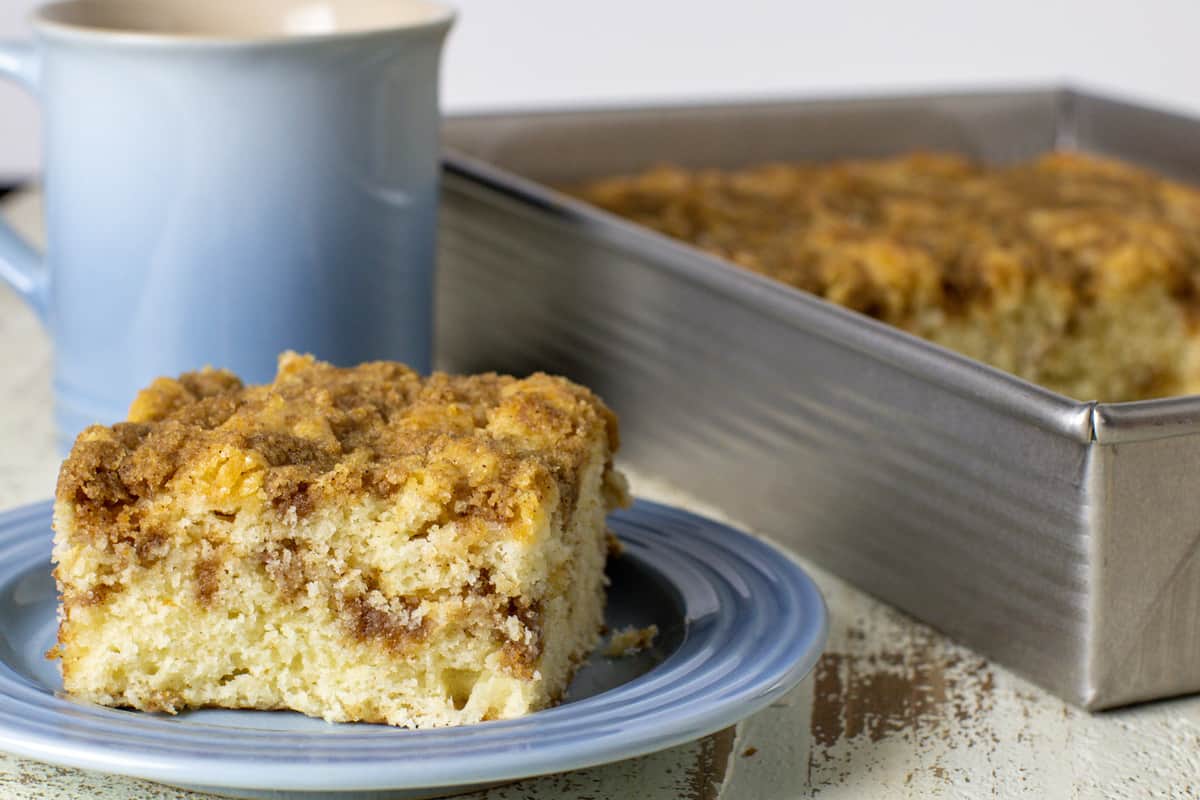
x=1059, y=537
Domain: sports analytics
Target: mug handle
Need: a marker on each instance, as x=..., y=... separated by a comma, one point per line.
x=20, y=264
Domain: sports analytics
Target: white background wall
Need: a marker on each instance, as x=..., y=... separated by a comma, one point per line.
x=18, y=114
x=539, y=52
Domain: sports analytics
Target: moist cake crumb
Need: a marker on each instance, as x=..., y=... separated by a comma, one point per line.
x=354, y=543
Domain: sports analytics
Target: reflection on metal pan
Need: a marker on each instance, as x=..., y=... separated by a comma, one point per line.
x=1053, y=535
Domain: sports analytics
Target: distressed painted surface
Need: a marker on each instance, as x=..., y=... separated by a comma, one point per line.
x=893, y=710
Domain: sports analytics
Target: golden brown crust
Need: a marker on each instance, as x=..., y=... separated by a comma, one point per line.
x=892, y=237
x=320, y=433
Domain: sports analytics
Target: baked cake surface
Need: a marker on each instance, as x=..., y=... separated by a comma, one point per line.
x=1074, y=272
x=352, y=543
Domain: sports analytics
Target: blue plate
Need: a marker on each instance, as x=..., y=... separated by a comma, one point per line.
x=739, y=625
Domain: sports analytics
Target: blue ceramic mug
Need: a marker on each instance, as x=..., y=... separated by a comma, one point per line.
x=226, y=180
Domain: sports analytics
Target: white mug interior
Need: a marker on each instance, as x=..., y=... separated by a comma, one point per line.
x=238, y=19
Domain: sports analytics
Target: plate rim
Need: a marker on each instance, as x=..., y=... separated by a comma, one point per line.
x=664, y=526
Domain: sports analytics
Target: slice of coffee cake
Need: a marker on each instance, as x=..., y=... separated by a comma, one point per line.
x=356, y=544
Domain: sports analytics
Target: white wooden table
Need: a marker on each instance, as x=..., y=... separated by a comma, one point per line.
x=893, y=710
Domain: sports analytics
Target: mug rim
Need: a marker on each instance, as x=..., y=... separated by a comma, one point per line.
x=440, y=19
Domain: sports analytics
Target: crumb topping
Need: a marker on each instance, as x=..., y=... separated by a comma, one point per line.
x=319, y=432
x=892, y=237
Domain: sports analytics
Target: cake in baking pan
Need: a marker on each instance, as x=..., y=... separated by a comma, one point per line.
x=1077, y=273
